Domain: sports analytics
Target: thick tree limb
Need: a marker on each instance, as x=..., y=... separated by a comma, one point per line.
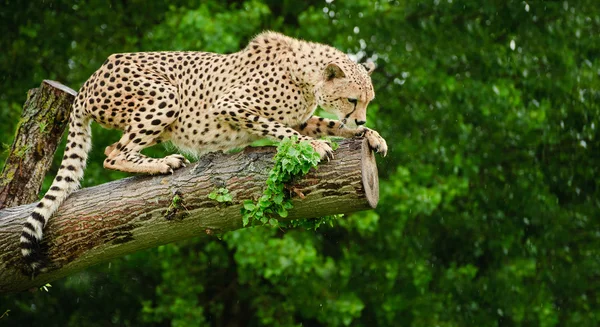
x=110, y=220
x=43, y=121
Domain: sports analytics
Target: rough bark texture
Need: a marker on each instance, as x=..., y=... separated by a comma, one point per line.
x=43, y=121
x=110, y=220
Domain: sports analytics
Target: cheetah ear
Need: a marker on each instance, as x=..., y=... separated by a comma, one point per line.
x=333, y=71
x=369, y=66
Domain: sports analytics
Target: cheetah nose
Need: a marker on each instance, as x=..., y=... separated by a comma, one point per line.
x=360, y=122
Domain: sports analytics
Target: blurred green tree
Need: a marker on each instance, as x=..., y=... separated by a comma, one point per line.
x=489, y=196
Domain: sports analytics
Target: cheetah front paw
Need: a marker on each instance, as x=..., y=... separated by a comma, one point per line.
x=376, y=142
x=173, y=161
x=323, y=149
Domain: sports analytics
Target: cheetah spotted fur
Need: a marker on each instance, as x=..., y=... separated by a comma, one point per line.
x=204, y=102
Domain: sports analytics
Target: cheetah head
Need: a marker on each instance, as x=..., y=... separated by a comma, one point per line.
x=346, y=90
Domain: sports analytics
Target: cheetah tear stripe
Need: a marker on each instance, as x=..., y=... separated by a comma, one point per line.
x=66, y=181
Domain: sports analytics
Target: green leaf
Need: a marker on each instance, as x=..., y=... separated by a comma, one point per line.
x=248, y=205
x=282, y=212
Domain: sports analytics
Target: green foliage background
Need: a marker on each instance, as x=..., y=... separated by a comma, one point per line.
x=490, y=195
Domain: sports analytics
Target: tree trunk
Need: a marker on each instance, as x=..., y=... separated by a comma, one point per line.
x=110, y=220
x=43, y=121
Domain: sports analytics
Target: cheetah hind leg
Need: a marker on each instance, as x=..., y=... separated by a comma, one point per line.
x=135, y=162
x=125, y=155
x=127, y=158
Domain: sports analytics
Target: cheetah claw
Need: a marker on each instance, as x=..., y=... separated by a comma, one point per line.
x=376, y=142
x=323, y=149
x=173, y=162
x=329, y=155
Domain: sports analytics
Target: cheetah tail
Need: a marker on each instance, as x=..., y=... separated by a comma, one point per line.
x=66, y=181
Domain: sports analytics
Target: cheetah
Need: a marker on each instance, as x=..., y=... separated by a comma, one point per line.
x=204, y=102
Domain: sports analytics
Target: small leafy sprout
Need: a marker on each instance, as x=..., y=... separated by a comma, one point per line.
x=176, y=200
x=220, y=195
x=5, y=147
x=43, y=126
x=20, y=153
x=176, y=204
x=293, y=159
x=5, y=314
x=46, y=287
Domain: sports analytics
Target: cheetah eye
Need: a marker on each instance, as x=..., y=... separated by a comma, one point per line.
x=352, y=100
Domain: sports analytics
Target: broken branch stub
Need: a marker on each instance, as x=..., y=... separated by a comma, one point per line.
x=43, y=121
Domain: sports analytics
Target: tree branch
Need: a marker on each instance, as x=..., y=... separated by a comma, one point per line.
x=110, y=220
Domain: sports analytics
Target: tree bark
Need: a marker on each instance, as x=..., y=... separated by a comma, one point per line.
x=43, y=121
x=110, y=220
